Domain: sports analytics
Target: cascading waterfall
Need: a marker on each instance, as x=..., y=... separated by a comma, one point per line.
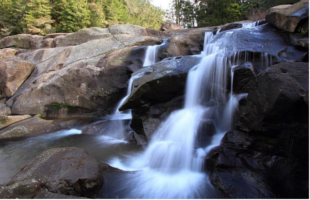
x=116, y=127
x=170, y=167
x=151, y=54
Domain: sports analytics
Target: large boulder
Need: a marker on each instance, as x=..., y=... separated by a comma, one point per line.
x=13, y=73
x=68, y=171
x=90, y=76
x=190, y=42
x=156, y=94
x=266, y=156
x=160, y=82
x=278, y=90
x=287, y=17
x=18, y=41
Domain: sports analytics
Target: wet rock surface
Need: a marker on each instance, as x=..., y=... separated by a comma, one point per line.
x=160, y=82
x=266, y=155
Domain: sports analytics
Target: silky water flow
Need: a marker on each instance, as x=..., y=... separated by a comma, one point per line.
x=115, y=129
x=172, y=164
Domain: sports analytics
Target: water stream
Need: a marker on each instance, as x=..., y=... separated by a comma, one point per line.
x=151, y=54
x=172, y=164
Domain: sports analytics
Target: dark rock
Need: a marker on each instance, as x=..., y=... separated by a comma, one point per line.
x=278, y=90
x=160, y=82
x=267, y=156
x=68, y=171
x=244, y=78
x=136, y=58
x=45, y=194
x=145, y=122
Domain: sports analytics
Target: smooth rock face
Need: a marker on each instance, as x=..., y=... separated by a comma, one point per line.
x=287, y=17
x=13, y=73
x=8, y=120
x=68, y=171
x=82, y=36
x=90, y=77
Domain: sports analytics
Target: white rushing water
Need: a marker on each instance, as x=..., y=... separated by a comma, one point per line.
x=151, y=54
x=116, y=128
x=172, y=164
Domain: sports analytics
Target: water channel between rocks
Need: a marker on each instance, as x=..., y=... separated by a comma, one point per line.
x=172, y=165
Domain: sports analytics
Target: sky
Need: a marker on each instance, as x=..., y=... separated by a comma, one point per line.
x=163, y=4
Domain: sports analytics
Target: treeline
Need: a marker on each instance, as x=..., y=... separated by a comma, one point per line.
x=202, y=13
x=50, y=16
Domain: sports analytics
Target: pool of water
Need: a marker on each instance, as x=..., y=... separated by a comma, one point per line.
x=14, y=154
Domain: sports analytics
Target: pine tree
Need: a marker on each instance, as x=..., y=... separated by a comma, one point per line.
x=71, y=15
x=37, y=14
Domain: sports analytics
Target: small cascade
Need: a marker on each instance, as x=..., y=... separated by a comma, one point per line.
x=250, y=24
x=151, y=54
x=172, y=164
x=116, y=127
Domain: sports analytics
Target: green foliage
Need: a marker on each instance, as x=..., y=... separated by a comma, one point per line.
x=218, y=12
x=47, y=16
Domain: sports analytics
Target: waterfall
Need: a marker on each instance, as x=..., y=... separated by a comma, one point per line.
x=172, y=164
x=115, y=127
x=250, y=24
x=151, y=54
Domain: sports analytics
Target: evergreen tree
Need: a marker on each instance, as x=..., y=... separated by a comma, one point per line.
x=72, y=15
x=37, y=14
